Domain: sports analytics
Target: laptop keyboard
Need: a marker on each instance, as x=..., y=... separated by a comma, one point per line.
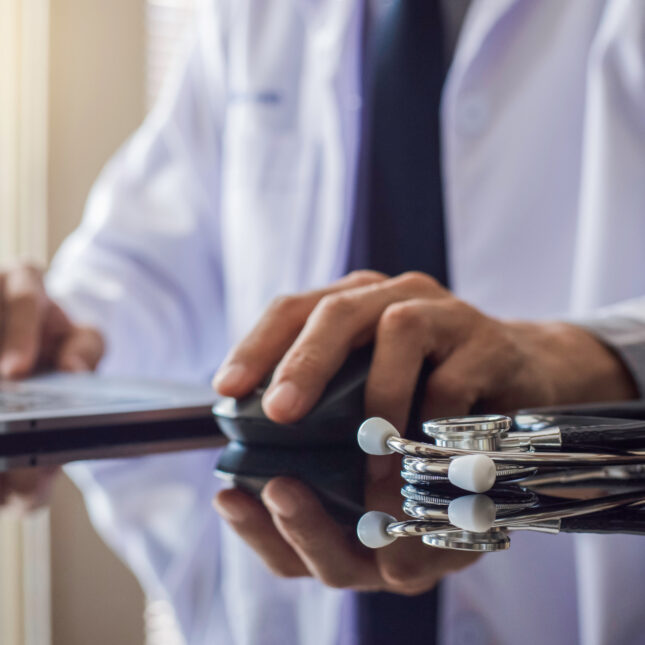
x=15, y=397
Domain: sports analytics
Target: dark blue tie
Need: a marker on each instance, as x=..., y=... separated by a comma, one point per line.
x=399, y=221
x=399, y=216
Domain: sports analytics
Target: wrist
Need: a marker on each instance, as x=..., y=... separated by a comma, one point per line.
x=580, y=367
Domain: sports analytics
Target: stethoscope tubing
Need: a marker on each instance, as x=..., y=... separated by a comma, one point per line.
x=411, y=448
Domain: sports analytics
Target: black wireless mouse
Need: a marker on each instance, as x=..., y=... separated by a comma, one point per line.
x=320, y=449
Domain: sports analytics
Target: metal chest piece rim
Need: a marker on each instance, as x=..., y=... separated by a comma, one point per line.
x=495, y=539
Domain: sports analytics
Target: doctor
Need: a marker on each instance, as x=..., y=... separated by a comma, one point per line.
x=241, y=185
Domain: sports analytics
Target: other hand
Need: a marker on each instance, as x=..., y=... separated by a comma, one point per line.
x=27, y=489
x=35, y=333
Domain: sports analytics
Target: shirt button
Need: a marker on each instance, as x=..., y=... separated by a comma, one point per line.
x=473, y=112
x=470, y=630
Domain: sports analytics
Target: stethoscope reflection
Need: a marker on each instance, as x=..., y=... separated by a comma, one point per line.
x=480, y=522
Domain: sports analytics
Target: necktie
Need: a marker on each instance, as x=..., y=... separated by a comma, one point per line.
x=398, y=223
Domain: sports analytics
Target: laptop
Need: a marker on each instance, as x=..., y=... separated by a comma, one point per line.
x=58, y=418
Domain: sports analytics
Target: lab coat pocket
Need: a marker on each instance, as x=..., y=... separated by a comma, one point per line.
x=268, y=199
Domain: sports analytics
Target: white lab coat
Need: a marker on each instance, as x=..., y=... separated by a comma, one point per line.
x=240, y=186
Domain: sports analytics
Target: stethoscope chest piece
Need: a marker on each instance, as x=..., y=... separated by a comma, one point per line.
x=490, y=541
x=481, y=432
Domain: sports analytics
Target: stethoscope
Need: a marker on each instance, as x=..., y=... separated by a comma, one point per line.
x=476, y=453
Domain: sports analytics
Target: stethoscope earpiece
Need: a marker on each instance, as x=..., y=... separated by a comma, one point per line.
x=475, y=473
x=372, y=529
x=475, y=513
x=373, y=436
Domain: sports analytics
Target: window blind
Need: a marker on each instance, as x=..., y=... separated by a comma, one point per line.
x=24, y=39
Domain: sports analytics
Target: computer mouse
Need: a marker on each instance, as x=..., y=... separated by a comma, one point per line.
x=334, y=419
x=320, y=449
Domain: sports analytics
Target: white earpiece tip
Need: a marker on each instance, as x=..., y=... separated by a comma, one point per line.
x=475, y=473
x=373, y=435
x=372, y=529
x=474, y=513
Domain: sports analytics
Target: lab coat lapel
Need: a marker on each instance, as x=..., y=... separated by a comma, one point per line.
x=478, y=30
x=333, y=101
x=289, y=149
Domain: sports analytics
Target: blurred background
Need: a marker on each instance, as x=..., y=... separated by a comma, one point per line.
x=76, y=78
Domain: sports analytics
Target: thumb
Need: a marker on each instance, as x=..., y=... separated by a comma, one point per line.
x=81, y=350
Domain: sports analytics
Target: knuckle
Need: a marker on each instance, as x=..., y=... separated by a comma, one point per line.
x=285, y=304
x=24, y=301
x=302, y=361
x=88, y=344
x=459, y=308
x=402, y=317
x=470, y=319
x=97, y=342
x=336, y=305
x=399, y=573
x=23, y=290
x=418, y=281
x=91, y=335
x=365, y=276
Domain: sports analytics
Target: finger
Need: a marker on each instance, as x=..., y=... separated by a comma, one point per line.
x=450, y=390
x=400, y=564
x=402, y=343
x=24, y=302
x=407, y=333
x=408, y=566
x=441, y=328
x=329, y=554
x=404, y=338
x=55, y=329
x=475, y=370
x=28, y=489
x=251, y=521
x=253, y=358
x=80, y=351
x=338, y=323
x=417, y=568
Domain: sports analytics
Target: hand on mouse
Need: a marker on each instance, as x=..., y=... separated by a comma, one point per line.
x=35, y=333
x=497, y=365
